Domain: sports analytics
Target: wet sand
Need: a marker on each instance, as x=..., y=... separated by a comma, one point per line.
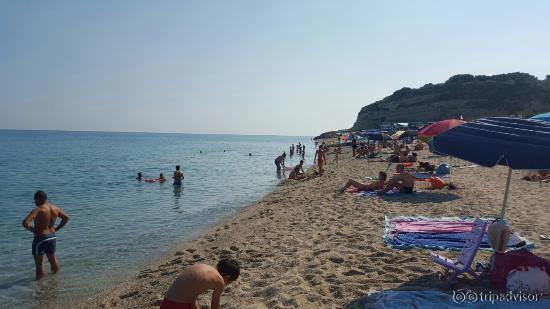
x=303, y=246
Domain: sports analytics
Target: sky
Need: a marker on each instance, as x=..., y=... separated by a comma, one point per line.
x=246, y=67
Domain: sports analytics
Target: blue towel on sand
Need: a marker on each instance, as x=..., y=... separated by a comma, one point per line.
x=443, y=241
x=427, y=176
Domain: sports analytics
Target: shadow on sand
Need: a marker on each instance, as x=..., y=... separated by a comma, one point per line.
x=427, y=291
x=420, y=197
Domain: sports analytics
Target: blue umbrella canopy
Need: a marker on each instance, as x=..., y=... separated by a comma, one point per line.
x=543, y=117
x=517, y=143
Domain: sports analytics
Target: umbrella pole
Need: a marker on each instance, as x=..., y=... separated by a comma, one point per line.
x=505, y=202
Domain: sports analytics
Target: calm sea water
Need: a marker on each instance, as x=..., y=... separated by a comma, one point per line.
x=118, y=224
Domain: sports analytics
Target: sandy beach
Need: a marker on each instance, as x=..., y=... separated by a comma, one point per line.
x=304, y=246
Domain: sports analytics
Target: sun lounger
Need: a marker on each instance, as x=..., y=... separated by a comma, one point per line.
x=464, y=261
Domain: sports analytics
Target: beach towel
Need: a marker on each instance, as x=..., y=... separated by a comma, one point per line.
x=438, y=234
x=434, y=299
x=391, y=193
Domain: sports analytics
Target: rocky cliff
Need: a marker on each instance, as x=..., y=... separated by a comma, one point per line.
x=513, y=94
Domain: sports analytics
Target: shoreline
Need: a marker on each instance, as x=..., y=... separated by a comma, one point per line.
x=303, y=246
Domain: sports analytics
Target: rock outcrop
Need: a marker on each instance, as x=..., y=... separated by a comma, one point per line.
x=513, y=94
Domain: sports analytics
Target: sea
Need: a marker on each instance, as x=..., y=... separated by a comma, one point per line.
x=119, y=225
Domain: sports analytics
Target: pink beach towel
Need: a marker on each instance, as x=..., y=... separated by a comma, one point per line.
x=431, y=226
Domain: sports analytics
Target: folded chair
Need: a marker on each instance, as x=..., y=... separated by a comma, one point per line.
x=464, y=261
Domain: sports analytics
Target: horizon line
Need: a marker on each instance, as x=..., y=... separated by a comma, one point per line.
x=150, y=132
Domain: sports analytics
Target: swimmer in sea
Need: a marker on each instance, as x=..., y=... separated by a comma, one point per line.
x=44, y=229
x=178, y=176
x=198, y=279
x=162, y=178
x=139, y=176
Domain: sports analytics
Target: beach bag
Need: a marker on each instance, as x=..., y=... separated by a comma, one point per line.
x=498, y=234
x=528, y=280
x=436, y=183
x=443, y=169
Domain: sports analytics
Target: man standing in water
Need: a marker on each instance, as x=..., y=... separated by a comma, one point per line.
x=178, y=176
x=197, y=279
x=44, y=217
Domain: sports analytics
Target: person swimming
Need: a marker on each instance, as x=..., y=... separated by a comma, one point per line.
x=139, y=176
x=198, y=279
x=178, y=176
x=162, y=178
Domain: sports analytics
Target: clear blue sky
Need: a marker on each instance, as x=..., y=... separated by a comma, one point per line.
x=246, y=67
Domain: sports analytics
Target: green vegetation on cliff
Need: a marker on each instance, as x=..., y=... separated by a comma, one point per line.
x=513, y=94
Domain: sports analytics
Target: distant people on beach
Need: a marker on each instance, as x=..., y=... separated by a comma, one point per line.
x=320, y=159
x=373, y=186
x=403, y=181
x=43, y=218
x=540, y=175
x=298, y=172
x=337, y=152
x=178, y=176
x=198, y=279
x=353, y=145
x=280, y=161
x=139, y=176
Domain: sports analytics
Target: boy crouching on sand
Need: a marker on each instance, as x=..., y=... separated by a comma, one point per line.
x=197, y=279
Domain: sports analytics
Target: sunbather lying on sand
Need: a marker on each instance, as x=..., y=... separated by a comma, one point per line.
x=403, y=181
x=197, y=279
x=373, y=186
x=540, y=175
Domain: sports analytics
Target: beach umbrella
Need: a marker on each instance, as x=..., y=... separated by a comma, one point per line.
x=439, y=127
x=543, y=117
x=397, y=134
x=522, y=144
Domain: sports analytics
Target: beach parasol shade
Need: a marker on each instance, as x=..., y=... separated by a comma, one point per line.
x=516, y=143
x=378, y=136
x=543, y=117
x=439, y=127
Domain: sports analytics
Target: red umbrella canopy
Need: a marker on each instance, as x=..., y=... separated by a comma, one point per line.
x=440, y=127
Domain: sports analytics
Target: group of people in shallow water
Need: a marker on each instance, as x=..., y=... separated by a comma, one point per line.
x=178, y=177
x=299, y=149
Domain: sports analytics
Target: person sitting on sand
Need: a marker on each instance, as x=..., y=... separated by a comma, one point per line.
x=403, y=181
x=280, y=161
x=373, y=186
x=540, y=175
x=396, y=148
x=319, y=158
x=139, y=176
x=44, y=229
x=298, y=172
x=198, y=279
x=178, y=176
x=426, y=166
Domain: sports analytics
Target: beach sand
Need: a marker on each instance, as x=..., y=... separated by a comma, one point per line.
x=302, y=246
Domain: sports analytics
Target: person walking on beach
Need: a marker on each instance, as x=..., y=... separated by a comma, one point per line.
x=353, y=145
x=197, y=279
x=280, y=161
x=320, y=159
x=44, y=242
x=178, y=176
